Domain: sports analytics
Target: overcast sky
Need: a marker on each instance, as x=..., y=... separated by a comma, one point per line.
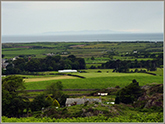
x=25, y=18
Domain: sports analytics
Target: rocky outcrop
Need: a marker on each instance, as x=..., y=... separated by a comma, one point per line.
x=93, y=111
x=152, y=97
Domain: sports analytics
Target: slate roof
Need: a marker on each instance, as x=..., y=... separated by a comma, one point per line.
x=79, y=101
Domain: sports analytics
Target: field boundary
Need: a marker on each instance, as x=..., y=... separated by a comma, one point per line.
x=75, y=75
x=149, y=73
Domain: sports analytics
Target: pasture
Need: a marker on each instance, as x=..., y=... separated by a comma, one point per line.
x=94, y=80
x=96, y=83
x=79, y=49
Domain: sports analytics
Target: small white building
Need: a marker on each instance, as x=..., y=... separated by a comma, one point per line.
x=102, y=94
x=134, y=51
x=65, y=71
x=13, y=59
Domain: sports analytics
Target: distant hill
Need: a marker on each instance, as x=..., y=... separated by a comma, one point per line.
x=85, y=32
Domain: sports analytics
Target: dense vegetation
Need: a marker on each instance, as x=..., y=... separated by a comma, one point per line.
x=139, y=101
x=123, y=66
x=119, y=56
x=15, y=101
x=129, y=94
x=50, y=63
x=49, y=108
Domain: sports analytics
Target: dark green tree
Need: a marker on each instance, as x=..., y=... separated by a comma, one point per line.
x=92, y=58
x=72, y=58
x=55, y=89
x=19, y=63
x=38, y=102
x=13, y=84
x=129, y=94
x=12, y=103
x=33, y=65
x=81, y=62
x=49, y=99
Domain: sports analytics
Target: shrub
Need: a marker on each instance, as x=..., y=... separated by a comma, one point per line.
x=56, y=103
x=39, y=102
x=117, y=86
x=49, y=99
x=117, y=100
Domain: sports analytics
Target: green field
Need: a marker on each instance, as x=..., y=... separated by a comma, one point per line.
x=95, y=80
x=92, y=80
x=96, y=83
x=87, y=50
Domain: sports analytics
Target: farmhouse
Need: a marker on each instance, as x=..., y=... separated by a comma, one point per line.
x=78, y=101
x=64, y=71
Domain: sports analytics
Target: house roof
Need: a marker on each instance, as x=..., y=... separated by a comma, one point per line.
x=69, y=101
x=77, y=100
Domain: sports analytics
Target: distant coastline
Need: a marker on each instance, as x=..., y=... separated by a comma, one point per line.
x=82, y=37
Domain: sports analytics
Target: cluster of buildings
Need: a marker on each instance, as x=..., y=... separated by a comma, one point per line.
x=5, y=62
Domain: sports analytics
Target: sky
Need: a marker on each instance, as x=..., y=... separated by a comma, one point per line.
x=39, y=17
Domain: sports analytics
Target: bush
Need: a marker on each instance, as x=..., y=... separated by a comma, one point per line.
x=117, y=86
x=56, y=103
x=117, y=100
x=39, y=102
x=49, y=99
x=92, y=67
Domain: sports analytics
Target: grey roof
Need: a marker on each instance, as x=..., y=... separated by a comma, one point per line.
x=72, y=100
x=79, y=101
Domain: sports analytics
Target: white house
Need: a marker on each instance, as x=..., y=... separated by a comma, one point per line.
x=65, y=71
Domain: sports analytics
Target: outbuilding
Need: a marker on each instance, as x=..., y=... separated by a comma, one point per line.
x=65, y=71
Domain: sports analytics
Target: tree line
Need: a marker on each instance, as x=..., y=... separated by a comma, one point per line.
x=124, y=65
x=50, y=63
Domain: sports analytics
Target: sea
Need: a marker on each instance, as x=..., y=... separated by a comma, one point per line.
x=82, y=38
